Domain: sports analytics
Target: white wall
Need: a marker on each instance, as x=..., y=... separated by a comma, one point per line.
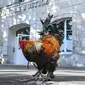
x=11, y=44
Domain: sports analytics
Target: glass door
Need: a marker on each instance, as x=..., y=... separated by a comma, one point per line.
x=19, y=58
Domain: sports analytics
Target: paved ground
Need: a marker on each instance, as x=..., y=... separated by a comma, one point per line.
x=22, y=76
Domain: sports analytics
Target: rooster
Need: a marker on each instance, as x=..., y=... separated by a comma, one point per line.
x=44, y=52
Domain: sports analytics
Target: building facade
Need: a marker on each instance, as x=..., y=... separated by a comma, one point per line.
x=27, y=14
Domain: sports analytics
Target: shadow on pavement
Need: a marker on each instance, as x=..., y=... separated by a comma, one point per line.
x=26, y=80
x=69, y=78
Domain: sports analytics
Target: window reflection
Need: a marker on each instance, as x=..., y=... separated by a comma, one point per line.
x=69, y=30
x=67, y=42
x=23, y=31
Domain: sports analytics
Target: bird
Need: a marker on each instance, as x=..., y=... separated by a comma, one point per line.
x=45, y=51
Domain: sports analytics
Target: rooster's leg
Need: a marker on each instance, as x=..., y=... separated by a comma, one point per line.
x=38, y=74
x=52, y=67
x=50, y=75
x=28, y=65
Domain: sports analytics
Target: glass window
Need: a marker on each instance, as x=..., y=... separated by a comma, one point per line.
x=66, y=47
x=24, y=31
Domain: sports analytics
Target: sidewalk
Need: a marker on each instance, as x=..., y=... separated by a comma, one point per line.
x=24, y=67
x=65, y=71
x=63, y=75
x=11, y=66
x=67, y=83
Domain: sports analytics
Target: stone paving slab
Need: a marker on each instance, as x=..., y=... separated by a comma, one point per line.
x=63, y=76
x=67, y=83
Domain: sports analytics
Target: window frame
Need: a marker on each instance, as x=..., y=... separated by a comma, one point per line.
x=65, y=38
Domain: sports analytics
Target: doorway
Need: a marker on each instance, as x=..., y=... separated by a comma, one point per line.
x=12, y=47
x=19, y=57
